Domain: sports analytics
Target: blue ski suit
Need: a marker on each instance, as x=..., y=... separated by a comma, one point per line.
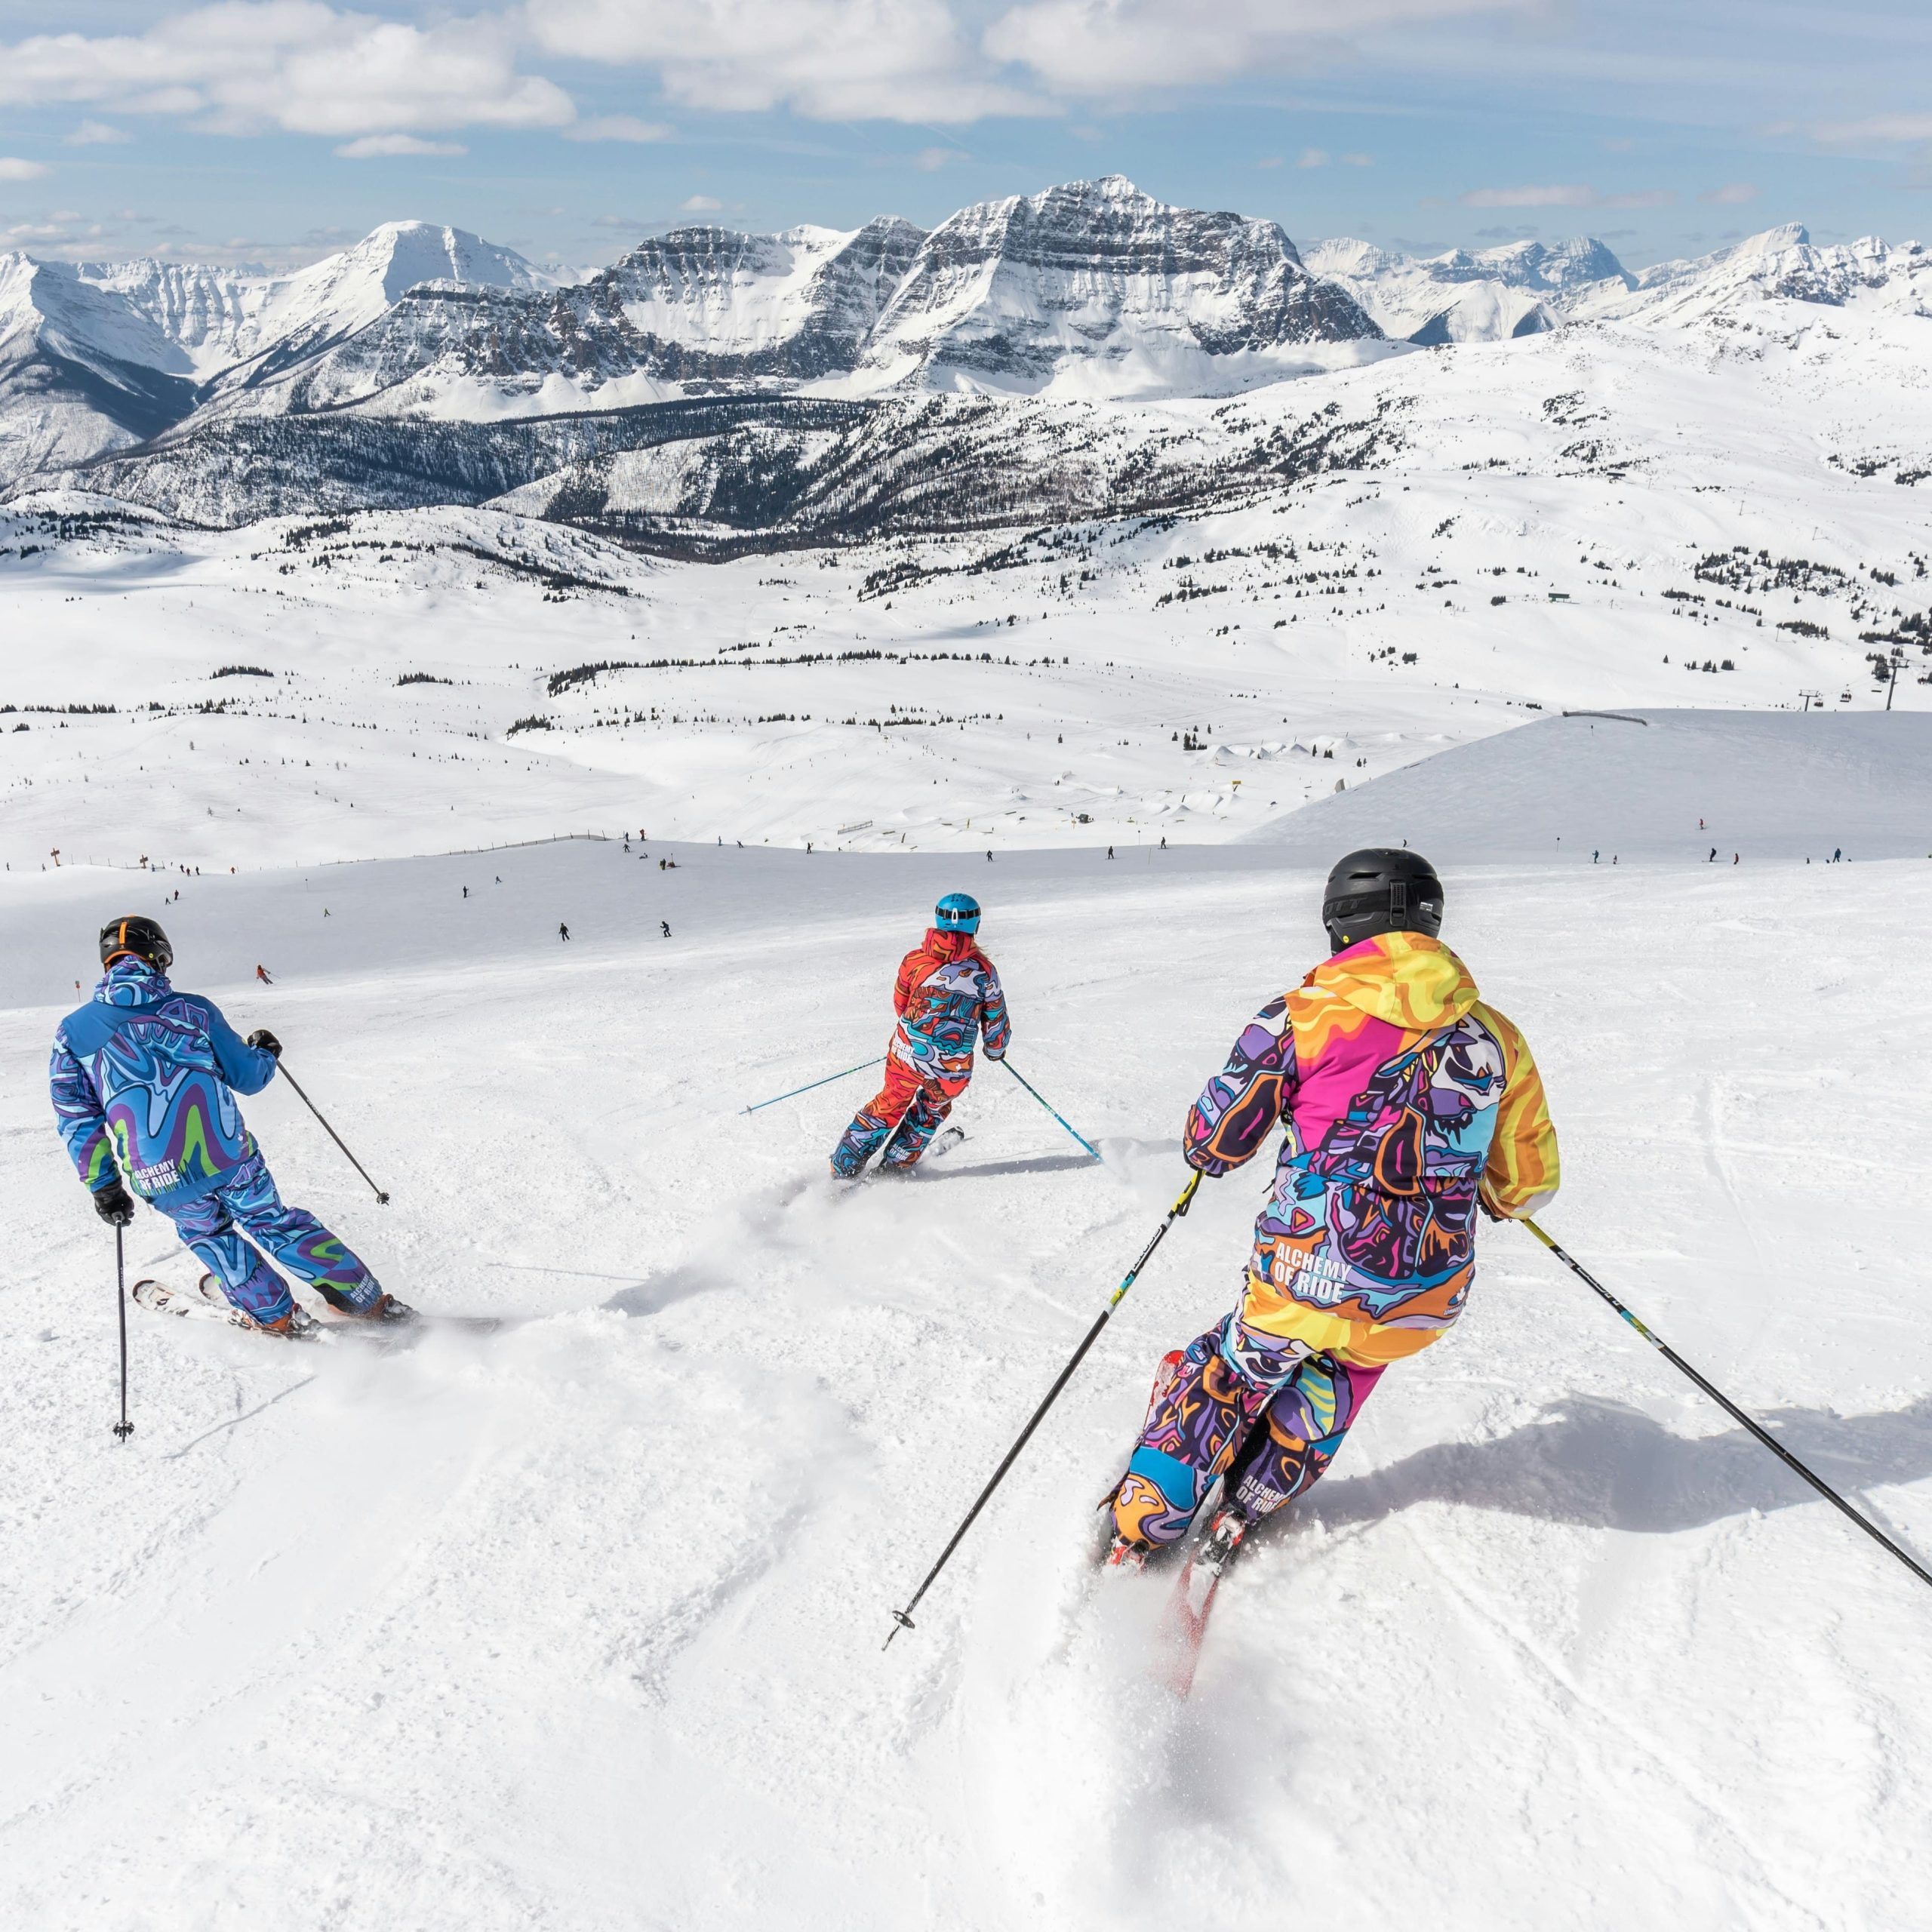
x=143, y=1080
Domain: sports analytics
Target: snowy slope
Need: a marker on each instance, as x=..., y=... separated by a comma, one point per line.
x=1476, y=538
x=1655, y=785
x=577, y=1625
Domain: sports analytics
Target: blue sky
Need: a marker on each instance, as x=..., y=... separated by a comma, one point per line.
x=275, y=130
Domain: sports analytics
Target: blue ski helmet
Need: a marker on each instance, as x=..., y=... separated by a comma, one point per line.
x=957, y=912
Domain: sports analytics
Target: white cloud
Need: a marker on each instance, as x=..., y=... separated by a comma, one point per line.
x=12, y=168
x=1563, y=196
x=1106, y=47
x=244, y=65
x=904, y=61
x=1887, y=127
x=379, y=147
x=94, y=134
x=700, y=204
x=1733, y=194
x=1358, y=160
x=1313, y=157
x=618, y=128
x=929, y=161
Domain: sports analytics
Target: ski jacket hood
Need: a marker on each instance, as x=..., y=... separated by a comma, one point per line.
x=131, y=981
x=1409, y=980
x=947, y=947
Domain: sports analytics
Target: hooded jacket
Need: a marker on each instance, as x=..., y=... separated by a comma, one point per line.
x=145, y=1079
x=948, y=994
x=1404, y=1100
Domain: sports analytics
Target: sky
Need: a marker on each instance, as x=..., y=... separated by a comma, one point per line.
x=276, y=131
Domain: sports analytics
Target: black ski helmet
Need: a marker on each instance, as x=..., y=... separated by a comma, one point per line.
x=135, y=938
x=1381, y=889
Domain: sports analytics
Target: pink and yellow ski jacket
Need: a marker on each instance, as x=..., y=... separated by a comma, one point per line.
x=1403, y=1099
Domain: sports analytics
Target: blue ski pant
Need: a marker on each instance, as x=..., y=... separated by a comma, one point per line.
x=228, y=1228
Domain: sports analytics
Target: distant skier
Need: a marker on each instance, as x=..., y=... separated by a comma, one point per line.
x=666, y=924
x=563, y=930
x=1406, y=1102
x=947, y=993
x=1110, y=851
x=1713, y=858
x=144, y=1080
x=262, y=973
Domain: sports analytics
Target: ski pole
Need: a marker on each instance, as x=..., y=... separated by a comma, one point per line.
x=123, y=1428
x=902, y=1620
x=1035, y=1092
x=381, y=1196
x=1730, y=1408
x=810, y=1084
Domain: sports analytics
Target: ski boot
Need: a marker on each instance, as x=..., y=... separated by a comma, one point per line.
x=1125, y=1554
x=385, y=1309
x=1223, y=1538
x=297, y=1325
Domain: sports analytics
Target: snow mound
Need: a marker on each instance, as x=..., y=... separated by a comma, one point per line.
x=1655, y=785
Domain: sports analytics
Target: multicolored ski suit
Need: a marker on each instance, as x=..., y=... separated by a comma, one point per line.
x=1405, y=1100
x=143, y=1081
x=947, y=995
x=146, y=1078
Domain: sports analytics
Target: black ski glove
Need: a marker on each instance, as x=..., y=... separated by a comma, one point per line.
x=114, y=1204
x=262, y=1037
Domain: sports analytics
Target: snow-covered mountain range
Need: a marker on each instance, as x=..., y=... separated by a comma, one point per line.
x=1090, y=292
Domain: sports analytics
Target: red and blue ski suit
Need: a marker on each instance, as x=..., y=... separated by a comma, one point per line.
x=143, y=1080
x=947, y=995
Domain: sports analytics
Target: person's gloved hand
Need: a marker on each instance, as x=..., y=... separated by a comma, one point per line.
x=262, y=1039
x=992, y=1055
x=114, y=1204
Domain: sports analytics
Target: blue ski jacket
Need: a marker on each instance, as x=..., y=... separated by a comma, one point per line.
x=144, y=1078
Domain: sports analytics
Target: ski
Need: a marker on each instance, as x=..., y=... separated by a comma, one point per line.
x=1185, y=1624
x=942, y=1143
x=162, y=1299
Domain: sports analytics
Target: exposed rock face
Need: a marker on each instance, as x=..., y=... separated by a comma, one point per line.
x=1015, y=292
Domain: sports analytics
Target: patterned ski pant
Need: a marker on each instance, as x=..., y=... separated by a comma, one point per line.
x=907, y=1103
x=214, y=1225
x=1266, y=1414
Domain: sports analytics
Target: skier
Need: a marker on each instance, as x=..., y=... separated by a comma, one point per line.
x=1406, y=1102
x=144, y=1080
x=947, y=992
x=262, y=973
x=563, y=930
x=665, y=925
